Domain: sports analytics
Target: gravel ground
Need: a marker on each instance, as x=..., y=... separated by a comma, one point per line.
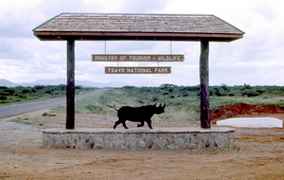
x=257, y=154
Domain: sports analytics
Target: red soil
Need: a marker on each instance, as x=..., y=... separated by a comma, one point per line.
x=243, y=109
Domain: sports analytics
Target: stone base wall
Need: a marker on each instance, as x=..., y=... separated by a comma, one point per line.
x=138, y=139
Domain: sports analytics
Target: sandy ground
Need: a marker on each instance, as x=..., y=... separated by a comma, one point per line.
x=257, y=154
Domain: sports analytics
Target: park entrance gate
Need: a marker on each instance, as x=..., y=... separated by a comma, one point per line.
x=159, y=27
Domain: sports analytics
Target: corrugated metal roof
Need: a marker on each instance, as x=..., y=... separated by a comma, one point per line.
x=136, y=26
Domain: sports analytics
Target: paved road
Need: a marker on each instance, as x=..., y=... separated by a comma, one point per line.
x=19, y=108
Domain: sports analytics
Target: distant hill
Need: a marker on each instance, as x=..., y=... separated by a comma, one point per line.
x=78, y=83
x=44, y=82
x=7, y=83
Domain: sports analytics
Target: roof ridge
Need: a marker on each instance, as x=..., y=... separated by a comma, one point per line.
x=158, y=14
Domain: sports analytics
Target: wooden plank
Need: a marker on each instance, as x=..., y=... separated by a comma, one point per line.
x=49, y=35
x=139, y=57
x=70, y=89
x=137, y=70
x=204, y=81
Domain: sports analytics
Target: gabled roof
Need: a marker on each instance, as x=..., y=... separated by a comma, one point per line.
x=100, y=26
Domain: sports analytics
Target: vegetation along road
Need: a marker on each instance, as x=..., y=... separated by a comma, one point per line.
x=182, y=102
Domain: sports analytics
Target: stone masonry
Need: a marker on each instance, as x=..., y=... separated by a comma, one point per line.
x=138, y=139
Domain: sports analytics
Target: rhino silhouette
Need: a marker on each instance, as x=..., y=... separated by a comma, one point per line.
x=140, y=114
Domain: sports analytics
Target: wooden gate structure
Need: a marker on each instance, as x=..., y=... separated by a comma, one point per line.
x=71, y=27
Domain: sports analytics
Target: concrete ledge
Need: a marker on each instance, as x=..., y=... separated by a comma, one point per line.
x=138, y=139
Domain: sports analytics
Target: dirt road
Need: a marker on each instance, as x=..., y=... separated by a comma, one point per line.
x=25, y=107
x=20, y=108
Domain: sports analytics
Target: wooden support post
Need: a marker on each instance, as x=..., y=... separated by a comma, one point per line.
x=204, y=80
x=70, y=89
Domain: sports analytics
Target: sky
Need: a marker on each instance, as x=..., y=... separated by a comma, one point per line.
x=256, y=59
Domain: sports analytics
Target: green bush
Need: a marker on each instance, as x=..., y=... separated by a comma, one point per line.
x=250, y=93
x=26, y=91
x=3, y=97
x=9, y=91
x=20, y=93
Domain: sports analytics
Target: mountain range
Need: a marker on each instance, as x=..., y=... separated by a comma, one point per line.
x=7, y=83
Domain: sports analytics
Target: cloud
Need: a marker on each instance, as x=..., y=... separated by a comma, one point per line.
x=145, y=6
x=255, y=59
x=124, y=6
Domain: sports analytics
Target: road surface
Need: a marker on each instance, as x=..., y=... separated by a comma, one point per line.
x=20, y=108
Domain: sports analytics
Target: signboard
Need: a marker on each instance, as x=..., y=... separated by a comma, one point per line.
x=137, y=70
x=138, y=57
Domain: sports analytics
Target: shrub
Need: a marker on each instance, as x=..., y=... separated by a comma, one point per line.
x=128, y=87
x=220, y=92
x=48, y=91
x=10, y=91
x=3, y=97
x=246, y=86
x=185, y=94
x=165, y=86
x=26, y=91
x=250, y=93
x=39, y=87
